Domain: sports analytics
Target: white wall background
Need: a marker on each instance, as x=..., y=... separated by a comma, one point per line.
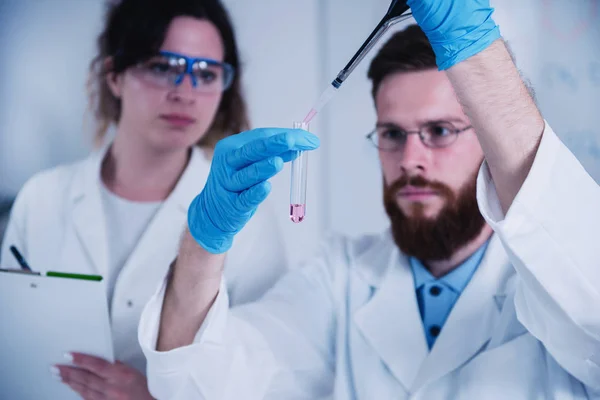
x=291, y=50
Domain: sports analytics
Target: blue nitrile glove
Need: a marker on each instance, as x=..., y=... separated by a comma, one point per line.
x=457, y=29
x=237, y=182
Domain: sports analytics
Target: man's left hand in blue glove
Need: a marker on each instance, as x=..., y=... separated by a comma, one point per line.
x=457, y=29
x=468, y=46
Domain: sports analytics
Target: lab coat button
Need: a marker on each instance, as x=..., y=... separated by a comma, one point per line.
x=129, y=303
x=435, y=290
x=435, y=330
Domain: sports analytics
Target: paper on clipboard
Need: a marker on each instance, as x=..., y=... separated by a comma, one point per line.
x=42, y=318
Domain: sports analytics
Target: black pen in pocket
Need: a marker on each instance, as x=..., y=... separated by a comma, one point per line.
x=19, y=258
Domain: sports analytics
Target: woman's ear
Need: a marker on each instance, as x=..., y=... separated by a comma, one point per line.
x=113, y=80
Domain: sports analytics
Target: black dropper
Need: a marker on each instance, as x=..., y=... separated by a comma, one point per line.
x=393, y=15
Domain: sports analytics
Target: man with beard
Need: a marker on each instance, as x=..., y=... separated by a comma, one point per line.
x=486, y=285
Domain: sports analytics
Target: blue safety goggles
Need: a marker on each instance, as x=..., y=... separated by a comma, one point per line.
x=168, y=70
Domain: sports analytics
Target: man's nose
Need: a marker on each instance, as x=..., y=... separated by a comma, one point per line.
x=414, y=155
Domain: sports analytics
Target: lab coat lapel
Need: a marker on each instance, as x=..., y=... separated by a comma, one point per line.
x=160, y=241
x=87, y=211
x=390, y=321
x=471, y=322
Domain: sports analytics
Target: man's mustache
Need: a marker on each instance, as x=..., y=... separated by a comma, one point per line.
x=417, y=181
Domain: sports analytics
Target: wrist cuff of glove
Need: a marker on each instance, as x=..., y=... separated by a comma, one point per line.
x=200, y=225
x=450, y=54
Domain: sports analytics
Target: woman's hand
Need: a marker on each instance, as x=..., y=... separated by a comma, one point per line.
x=97, y=379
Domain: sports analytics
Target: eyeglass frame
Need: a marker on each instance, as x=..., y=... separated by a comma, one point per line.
x=189, y=63
x=454, y=131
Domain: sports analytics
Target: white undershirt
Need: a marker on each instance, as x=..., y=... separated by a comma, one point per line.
x=126, y=222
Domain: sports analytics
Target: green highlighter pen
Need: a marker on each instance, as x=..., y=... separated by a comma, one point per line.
x=54, y=274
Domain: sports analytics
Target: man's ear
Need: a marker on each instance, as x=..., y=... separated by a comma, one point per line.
x=113, y=80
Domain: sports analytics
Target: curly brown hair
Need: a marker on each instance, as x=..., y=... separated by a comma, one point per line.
x=134, y=31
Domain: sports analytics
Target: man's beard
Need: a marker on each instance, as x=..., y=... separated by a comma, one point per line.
x=434, y=239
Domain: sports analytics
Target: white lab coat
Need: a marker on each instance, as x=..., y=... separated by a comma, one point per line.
x=58, y=224
x=347, y=325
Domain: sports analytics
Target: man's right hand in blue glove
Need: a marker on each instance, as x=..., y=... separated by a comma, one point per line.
x=236, y=185
x=238, y=182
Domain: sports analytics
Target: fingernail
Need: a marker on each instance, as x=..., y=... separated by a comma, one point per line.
x=68, y=357
x=55, y=372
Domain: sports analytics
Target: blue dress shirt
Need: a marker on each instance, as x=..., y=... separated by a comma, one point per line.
x=436, y=297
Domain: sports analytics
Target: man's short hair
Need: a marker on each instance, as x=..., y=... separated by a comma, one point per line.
x=408, y=50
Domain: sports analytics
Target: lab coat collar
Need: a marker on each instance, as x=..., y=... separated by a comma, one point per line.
x=390, y=321
x=88, y=212
x=457, y=279
x=472, y=321
x=372, y=264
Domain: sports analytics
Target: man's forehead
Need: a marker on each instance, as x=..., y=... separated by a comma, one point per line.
x=418, y=97
x=415, y=87
x=399, y=122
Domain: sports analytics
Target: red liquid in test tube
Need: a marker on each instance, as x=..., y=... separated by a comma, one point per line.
x=297, y=212
x=300, y=164
x=298, y=185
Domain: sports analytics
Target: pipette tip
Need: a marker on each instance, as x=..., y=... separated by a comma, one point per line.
x=311, y=114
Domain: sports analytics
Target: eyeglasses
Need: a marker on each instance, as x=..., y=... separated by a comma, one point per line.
x=168, y=69
x=389, y=137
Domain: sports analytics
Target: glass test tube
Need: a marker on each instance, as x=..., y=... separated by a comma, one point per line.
x=298, y=185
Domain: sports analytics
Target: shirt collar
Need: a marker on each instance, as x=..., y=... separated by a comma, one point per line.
x=457, y=279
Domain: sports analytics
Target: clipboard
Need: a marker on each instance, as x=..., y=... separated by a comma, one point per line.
x=41, y=318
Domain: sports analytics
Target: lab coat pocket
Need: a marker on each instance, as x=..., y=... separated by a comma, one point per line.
x=514, y=370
